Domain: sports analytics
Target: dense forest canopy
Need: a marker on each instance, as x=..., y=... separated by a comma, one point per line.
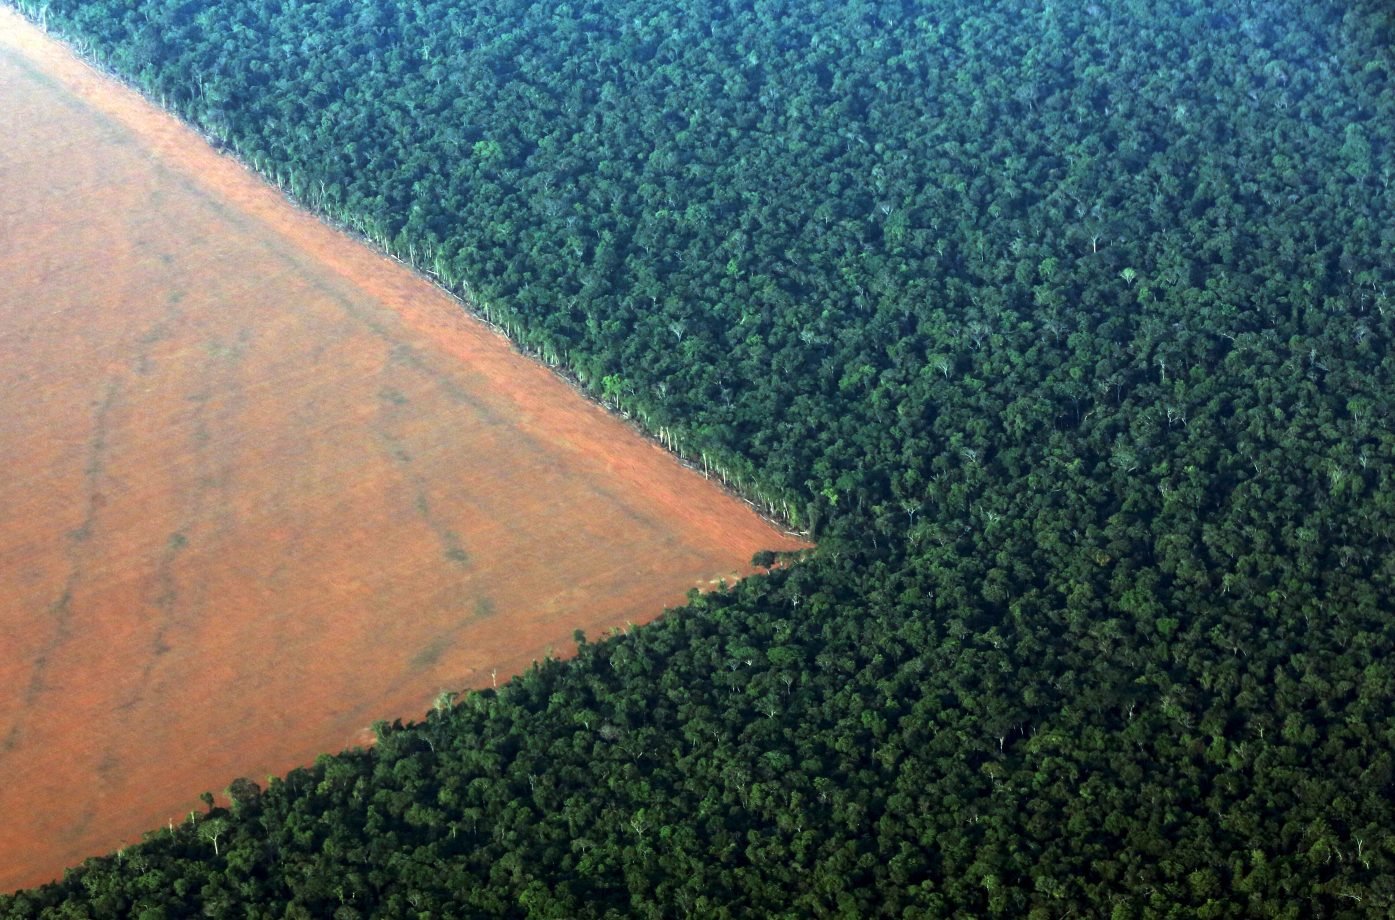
x=1066, y=327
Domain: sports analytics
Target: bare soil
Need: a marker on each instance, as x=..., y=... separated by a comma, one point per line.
x=262, y=486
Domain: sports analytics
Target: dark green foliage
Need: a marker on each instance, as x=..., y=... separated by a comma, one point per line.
x=1066, y=326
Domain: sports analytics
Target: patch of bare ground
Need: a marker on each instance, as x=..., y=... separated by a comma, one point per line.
x=263, y=486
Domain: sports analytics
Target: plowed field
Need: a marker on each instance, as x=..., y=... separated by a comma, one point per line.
x=260, y=487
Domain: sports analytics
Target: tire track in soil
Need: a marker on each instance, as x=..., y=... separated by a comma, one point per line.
x=60, y=611
x=166, y=599
x=394, y=407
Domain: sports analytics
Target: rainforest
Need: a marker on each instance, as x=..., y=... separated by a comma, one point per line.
x=1065, y=331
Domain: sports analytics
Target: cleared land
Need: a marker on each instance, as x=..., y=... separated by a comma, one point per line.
x=263, y=487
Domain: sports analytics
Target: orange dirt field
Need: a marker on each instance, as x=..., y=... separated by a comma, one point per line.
x=261, y=486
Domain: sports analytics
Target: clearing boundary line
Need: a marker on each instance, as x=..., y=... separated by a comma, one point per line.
x=263, y=486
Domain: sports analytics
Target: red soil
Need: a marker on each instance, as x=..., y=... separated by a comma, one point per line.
x=263, y=486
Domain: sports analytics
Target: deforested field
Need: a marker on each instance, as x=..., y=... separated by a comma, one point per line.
x=263, y=487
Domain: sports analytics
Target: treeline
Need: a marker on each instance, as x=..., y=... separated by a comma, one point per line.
x=1066, y=327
